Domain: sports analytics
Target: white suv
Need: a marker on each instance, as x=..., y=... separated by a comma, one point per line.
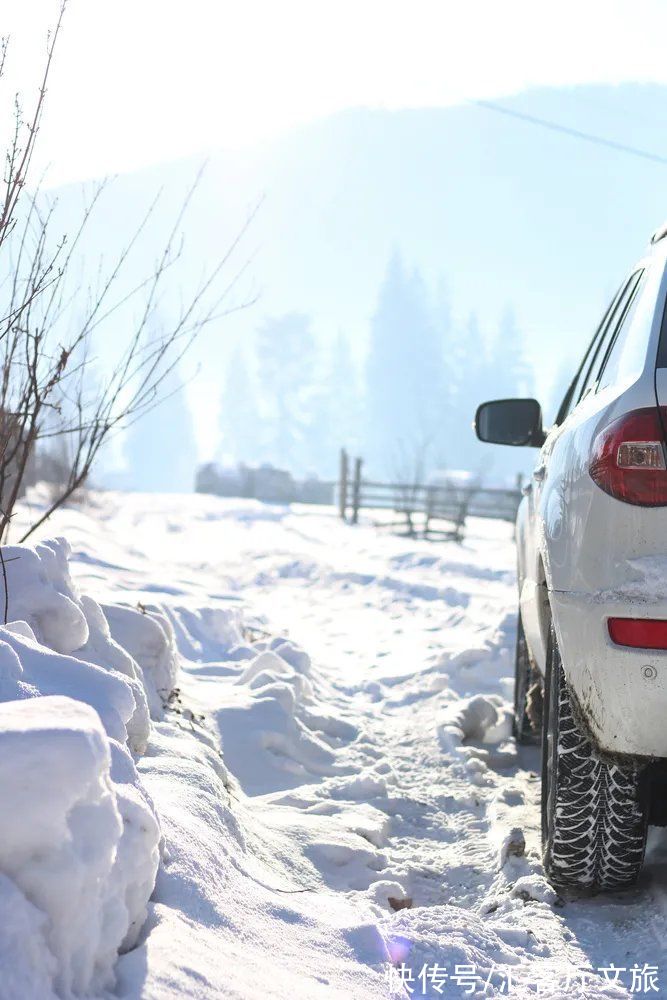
x=591, y=663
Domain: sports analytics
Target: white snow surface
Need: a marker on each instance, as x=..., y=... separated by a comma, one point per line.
x=343, y=810
x=73, y=855
x=79, y=837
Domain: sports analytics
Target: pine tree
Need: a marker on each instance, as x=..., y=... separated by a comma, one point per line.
x=450, y=345
x=160, y=447
x=513, y=372
x=345, y=397
x=286, y=362
x=505, y=374
x=335, y=411
x=473, y=383
x=240, y=419
x=404, y=373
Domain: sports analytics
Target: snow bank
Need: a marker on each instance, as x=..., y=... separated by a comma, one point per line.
x=28, y=965
x=104, y=651
x=79, y=837
x=41, y=593
x=92, y=666
x=50, y=673
x=148, y=637
x=70, y=846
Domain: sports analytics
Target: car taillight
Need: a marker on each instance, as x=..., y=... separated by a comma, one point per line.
x=641, y=633
x=628, y=459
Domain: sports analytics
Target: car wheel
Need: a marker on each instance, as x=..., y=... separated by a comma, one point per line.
x=522, y=728
x=593, y=819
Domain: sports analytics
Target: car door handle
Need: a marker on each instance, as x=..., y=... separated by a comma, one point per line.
x=539, y=473
x=526, y=488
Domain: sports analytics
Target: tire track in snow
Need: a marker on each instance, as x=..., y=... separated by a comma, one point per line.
x=453, y=804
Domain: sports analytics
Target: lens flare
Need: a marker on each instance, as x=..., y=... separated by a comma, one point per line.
x=398, y=948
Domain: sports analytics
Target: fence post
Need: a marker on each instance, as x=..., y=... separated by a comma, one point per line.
x=342, y=484
x=428, y=508
x=356, y=490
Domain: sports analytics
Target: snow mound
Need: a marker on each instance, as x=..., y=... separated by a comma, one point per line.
x=81, y=850
x=13, y=684
x=41, y=593
x=479, y=719
x=481, y=667
x=451, y=937
x=28, y=966
x=49, y=673
x=534, y=887
x=276, y=733
x=79, y=837
x=104, y=651
x=64, y=644
x=292, y=654
x=148, y=636
x=385, y=889
x=206, y=633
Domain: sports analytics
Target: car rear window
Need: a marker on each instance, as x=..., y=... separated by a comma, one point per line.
x=661, y=361
x=626, y=356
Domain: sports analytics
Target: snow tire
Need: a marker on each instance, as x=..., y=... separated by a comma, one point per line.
x=593, y=819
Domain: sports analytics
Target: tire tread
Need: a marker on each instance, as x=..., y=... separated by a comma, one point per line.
x=598, y=827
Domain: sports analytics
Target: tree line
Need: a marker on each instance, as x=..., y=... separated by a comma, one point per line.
x=290, y=401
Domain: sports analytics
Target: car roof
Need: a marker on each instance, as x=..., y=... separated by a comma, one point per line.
x=658, y=243
x=659, y=233
x=656, y=251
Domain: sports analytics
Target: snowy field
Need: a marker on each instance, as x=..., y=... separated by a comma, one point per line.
x=342, y=810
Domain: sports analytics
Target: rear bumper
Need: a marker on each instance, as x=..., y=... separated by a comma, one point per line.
x=621, y=691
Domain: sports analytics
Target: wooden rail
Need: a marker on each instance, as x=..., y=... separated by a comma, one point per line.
x=450, y=503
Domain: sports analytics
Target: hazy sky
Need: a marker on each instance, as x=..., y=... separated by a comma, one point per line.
x=141, y=81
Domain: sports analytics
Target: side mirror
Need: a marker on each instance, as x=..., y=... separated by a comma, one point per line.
x=516, y=422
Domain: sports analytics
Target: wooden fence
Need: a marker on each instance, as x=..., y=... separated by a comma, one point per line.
x=422, y=508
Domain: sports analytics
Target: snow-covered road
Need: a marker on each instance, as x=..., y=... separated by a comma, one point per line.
x=378, y=835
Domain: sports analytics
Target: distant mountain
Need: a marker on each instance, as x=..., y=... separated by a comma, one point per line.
x=506, y=211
